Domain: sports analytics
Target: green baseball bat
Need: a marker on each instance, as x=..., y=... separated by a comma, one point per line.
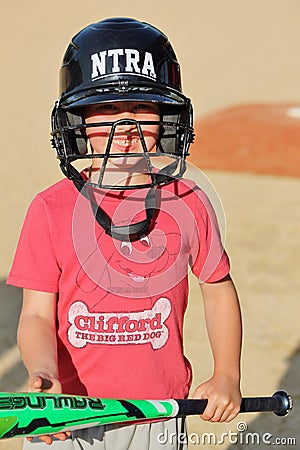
x=34, y=414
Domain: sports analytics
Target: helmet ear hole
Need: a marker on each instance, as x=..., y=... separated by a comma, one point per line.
x=78, y=135
x=170, y=135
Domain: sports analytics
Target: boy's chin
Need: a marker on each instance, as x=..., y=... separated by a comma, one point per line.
x=129, y=166
x=124, y=163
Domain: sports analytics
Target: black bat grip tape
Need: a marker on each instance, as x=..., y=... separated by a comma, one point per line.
x=191, y=407
x=280, y=403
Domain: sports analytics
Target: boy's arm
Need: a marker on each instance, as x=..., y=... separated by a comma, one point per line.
x=37, y=344
x=37, y=334
x=224, y=327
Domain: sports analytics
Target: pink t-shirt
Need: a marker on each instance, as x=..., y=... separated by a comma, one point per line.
x=120, y=305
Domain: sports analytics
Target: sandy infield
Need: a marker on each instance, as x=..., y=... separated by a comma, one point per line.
x=232, y=54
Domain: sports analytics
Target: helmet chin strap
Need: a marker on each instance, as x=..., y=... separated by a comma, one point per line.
x=131, y=232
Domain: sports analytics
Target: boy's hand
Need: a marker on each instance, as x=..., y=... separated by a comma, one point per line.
x=44, y=382
x=224, y=398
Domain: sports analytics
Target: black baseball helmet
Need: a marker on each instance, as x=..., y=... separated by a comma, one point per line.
x=117, y=60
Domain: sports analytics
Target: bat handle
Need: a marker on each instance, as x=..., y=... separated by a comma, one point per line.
x=280, y=403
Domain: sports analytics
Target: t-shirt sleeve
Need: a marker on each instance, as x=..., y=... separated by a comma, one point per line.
x=35, y=265
x=209, y=260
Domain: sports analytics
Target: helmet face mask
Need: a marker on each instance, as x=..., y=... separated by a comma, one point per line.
x=121, y=60
x=163, y=163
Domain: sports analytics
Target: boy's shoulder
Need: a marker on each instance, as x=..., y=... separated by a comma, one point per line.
x=185, y=188
x=60, y=188
x=196, y=197
x=60, y=194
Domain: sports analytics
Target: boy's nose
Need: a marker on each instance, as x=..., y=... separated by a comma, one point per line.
x=127, y=124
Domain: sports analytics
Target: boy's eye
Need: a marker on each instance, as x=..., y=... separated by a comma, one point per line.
x=103, y=109
x=141, y=106
x=108, y=108
x=113, y=109
x=144, y=108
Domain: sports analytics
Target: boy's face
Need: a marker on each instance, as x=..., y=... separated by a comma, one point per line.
x=126, y=138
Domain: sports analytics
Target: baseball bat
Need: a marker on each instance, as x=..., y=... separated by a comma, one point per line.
x=34, y=414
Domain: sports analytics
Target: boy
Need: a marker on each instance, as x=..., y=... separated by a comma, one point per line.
x=103, y=255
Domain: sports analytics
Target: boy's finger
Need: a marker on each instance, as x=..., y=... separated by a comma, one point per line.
x=209, y=411
x=62, y=436
x=220, y=415
x=36, y=382
x=231, y=415
x=47, y=439
x=40, y=383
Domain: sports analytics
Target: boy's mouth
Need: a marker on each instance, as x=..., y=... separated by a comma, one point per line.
x=126, y=144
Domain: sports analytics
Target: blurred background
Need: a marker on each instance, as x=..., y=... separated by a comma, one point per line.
x=240, y=65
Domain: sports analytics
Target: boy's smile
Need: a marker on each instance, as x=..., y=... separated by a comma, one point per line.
x=126, y=144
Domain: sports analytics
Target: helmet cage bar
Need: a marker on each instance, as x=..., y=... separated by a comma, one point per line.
x=57, y=133
x=67, y=151
x=157, y=154
x=107, y=153
x=58, y=127
x=165, y=176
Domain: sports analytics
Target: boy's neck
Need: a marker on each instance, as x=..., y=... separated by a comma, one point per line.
x=117, y=176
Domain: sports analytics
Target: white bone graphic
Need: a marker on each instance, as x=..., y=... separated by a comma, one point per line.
x=139, y=327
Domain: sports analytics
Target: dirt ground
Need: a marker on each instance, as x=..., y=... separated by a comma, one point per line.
x=259, y=138
x=243, y=77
